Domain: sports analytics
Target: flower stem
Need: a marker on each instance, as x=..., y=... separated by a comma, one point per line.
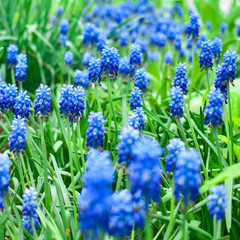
x=185, y=226
x=13, y=75
x=20, y=171
x=149, y=232
x=184, y=138
x=98, y=99
x=218, y=147
x=208, y=82
x=69, y=76
x=170, y=226
x=193, y=64
x=81, y=145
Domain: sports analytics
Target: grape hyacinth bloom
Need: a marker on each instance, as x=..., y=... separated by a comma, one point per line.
x=136, y=119
x=62, y=40
x=238, y=29
x=90, y=34
x=94, y=71
x=4, y=176
x=206, y=56
x=81, y=78
x=216, y=45
x=209, y=25
x=223, y=27
x=218, y=202
x=3, y=99
x=135, y=56
x=68, y=58
x=214, y=110
x=189, y=43
x=176, y=103
x=95, y=131
x=230, y=57
x=135, y=100
x=63, y=26
x=180, y=78
x=18, y=135
x=178, y=42
x=175, y=147
x=42, y=103
x=11, y=93
x=79, y=103
x=145, y=171
x=221, y=79
x=101, y=42
x=127, y=137
x=143, y=45
x=168, y=58
x=110, y=62
x=192, y=28
x=187, y=176
x=12, y=51
x=22, y=104
x=152, y=56
x=60, y=11
x=124, y=38
x=21, y=67
x=182, y=52
x=29, y=209
x=124, y=66
x=141, y=80
x=86, y=59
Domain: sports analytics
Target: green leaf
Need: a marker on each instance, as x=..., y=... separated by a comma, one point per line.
x=1, y=51
x=228, y=213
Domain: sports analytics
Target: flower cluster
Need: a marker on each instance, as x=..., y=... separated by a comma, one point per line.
x=21, y=67
x=135, y=56
x=90, y=34
x=94, y=71
x=81, y=78
x=216, y=45
x=12, y=51
x=136, y=119
x=68, y=58
x=176, y=104
x=124, y=66
x=192, y=28
x=63, y=30
x=2, y=96
x=86, y=59
x=11, y=93
x=206, y=55
x=22, y=104
x=168, y=58
x=141, y=80
x=135, y=100
x=180, y=78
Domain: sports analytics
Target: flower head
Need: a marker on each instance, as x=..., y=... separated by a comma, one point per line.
x=176, y=104
x=143, y=45
x=136, y=120
x=68, y=58
x=206, y=55
x=86, y=59
x=135, y=100
x=135, y=56
x=94, y=71
x=60, y=11
x=12, y=51
x=79, y=103
x=141, y=80
x=21, y=67
x=101, y=42
x=63, y=26
x=90, y=34
x=3, y=99
x=178, y=42
x=223, y=27
x=152, y=56
x=11, y=93
x=168, y=58
x=158, y=39
x=124, y=38
x=216, y=45
x=209, y=25
x=22, y=105
x=62, y=40
x=230, y=57
x=124, y=66
x=81, y=78
x=180, y=78
x=192, y=28
x=182, y=52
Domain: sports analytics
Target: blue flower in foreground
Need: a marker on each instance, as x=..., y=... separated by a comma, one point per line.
x=145, y=171
x=81, y=78
x=192, y=28
x=11, y=93
x=216, y=45
x=176, y=103
x=217, y=204
x=110, y=62
x=79, y=103
x=94, y=70
x=136, y=120
x=21, y=67
x=68, y=58
x=214, y=110
x=95, y=131
x=43, y=101
x=187, y=176
x=29, y=209
x=4, y=176
x=128, y=137
x=124, y=66
x=101, y=42
x=135, y=56
x=12, y=51
x=63, y=26
x=175, y=147
x=135, y=100
x=18, y=135
x=230, y=57
x=3, y=99
x=168, y=58
x=206, y=56
x=141, y=80
x=180, y=78
x=86, y=59
x=22, y=105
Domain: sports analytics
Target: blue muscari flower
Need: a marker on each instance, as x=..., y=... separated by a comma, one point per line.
x=135, y=100
x=124, y=66
x=238, y=29
x=94, y=70
x=175, y=147
x=206, y=56
x=168, y=58
x=145, y=171
x=171, y=33
x=190, y=56
x=60, y=11
x=81, y=78
x=158, y=39
x=152, y=56
x=11, y=93
x=29, y=209
x=127, y=137
x=182, y=52
x=192, y=28
x=217, y=204
x=90, y=34
x=141, y=80
x=187, y=176
x=21, y=67
x=176, y=103
x=86, y=59
x=124, y=38
x=180, y=78
x=189, y=43
x=22, y=104
x=178, y=42
x=135, y=56
x=42, y=103
x=68, y=58
x=143, y=45
x=136, y=119
x=209, y=25
x=62, y=40
x=110, y=62
x=230, y=57
x=216, y=45
x=122, y=214
x=3, y=99
x=214, y=110
x=95, y=198
x=102, y=42
x=18, y=135
x=95, y=131
x=12, y=51
x=202, y=38
x=178, y=9
x=63, y=26
x=223, y=27
x=4, y=176
x=79, y=103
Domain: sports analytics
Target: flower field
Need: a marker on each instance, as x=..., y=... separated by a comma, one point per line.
x=119, y=120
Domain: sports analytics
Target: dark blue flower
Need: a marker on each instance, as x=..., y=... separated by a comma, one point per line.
x=86, y=59
x=12, y=51
x=152, y=56
x=180, y=78
x=43, y=101
x=158, y=39
x=22, y=104
x=95, y=131
x=141, y=80
x=172, y=32
x=202, y=38
x=168, y=58
x=63, y=26
x=176, y=103
x=230, y=57
x=3, y=99
x=192, y=27
x=187, y=176
x=11, y=93
x=60, y=11
x=190, y=56
x=206, y=56
x=124, y=66
x=21, y=67
x=94, y=70
x=175, y=147
x=79, y=103
x=217, y=204
x=90, y=34
x=178, y=9
x=68, y=58
x=223, y=27
x=18, y=135
x=135, y=100
x=189, y=43
x=102, y=42
x=29, y=209
x=128, y=137
x=136, y=119
x=81, y=78
x=216, y=45
x=135, y=56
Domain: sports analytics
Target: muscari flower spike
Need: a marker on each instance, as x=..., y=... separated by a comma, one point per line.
x=230, y=57
x=127, y=137
x=135, y=100
x=143, y=44
x=216, y=45
x=176, y=103
x=60, y=11
x=29, y=209
x=86, y=59
x=153, y=56
x=158, y=39
x=182, y=52
x=18, y=135
x=63, y=26
x=206, y=56
x=217, y=204
x=12, y=51
x=141, y=80
x=4, y=176
x=192, y=28
x=135, y=56
x=124, y=66
x=95, y=131
x=168, y=58
x=90, y=34
x=238, y=29
x=62, y=40
x=110, y=62
x=81, y=78
x=136, y=119
x=21, y=67
x=180, y=78
x=11, y=93
x=22, y=104
x=94, y=70
x=3, y=99
x=178, y=42
x=124, y=38
x=214, y=110
x=101, y=42
x=175, y=147
x=223, y=27
x=42, y=103
x=79, y=103
x=68, y=58
x=187, y=176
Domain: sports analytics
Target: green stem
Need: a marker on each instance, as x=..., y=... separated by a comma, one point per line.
x=218, y=147
x=45, y=167
x=184, y=138
x=69, y=76
x=185, y=226
x=98, y=99
x=133, y=234
x=75, y=148
x=149, y=233
x=119, y=180
x=20, y=171
x=81, y=145
x=20, y=86
x=13, y=75
x=192, y=77
x=170, y=226
x=71, y=169
x=208, y=82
